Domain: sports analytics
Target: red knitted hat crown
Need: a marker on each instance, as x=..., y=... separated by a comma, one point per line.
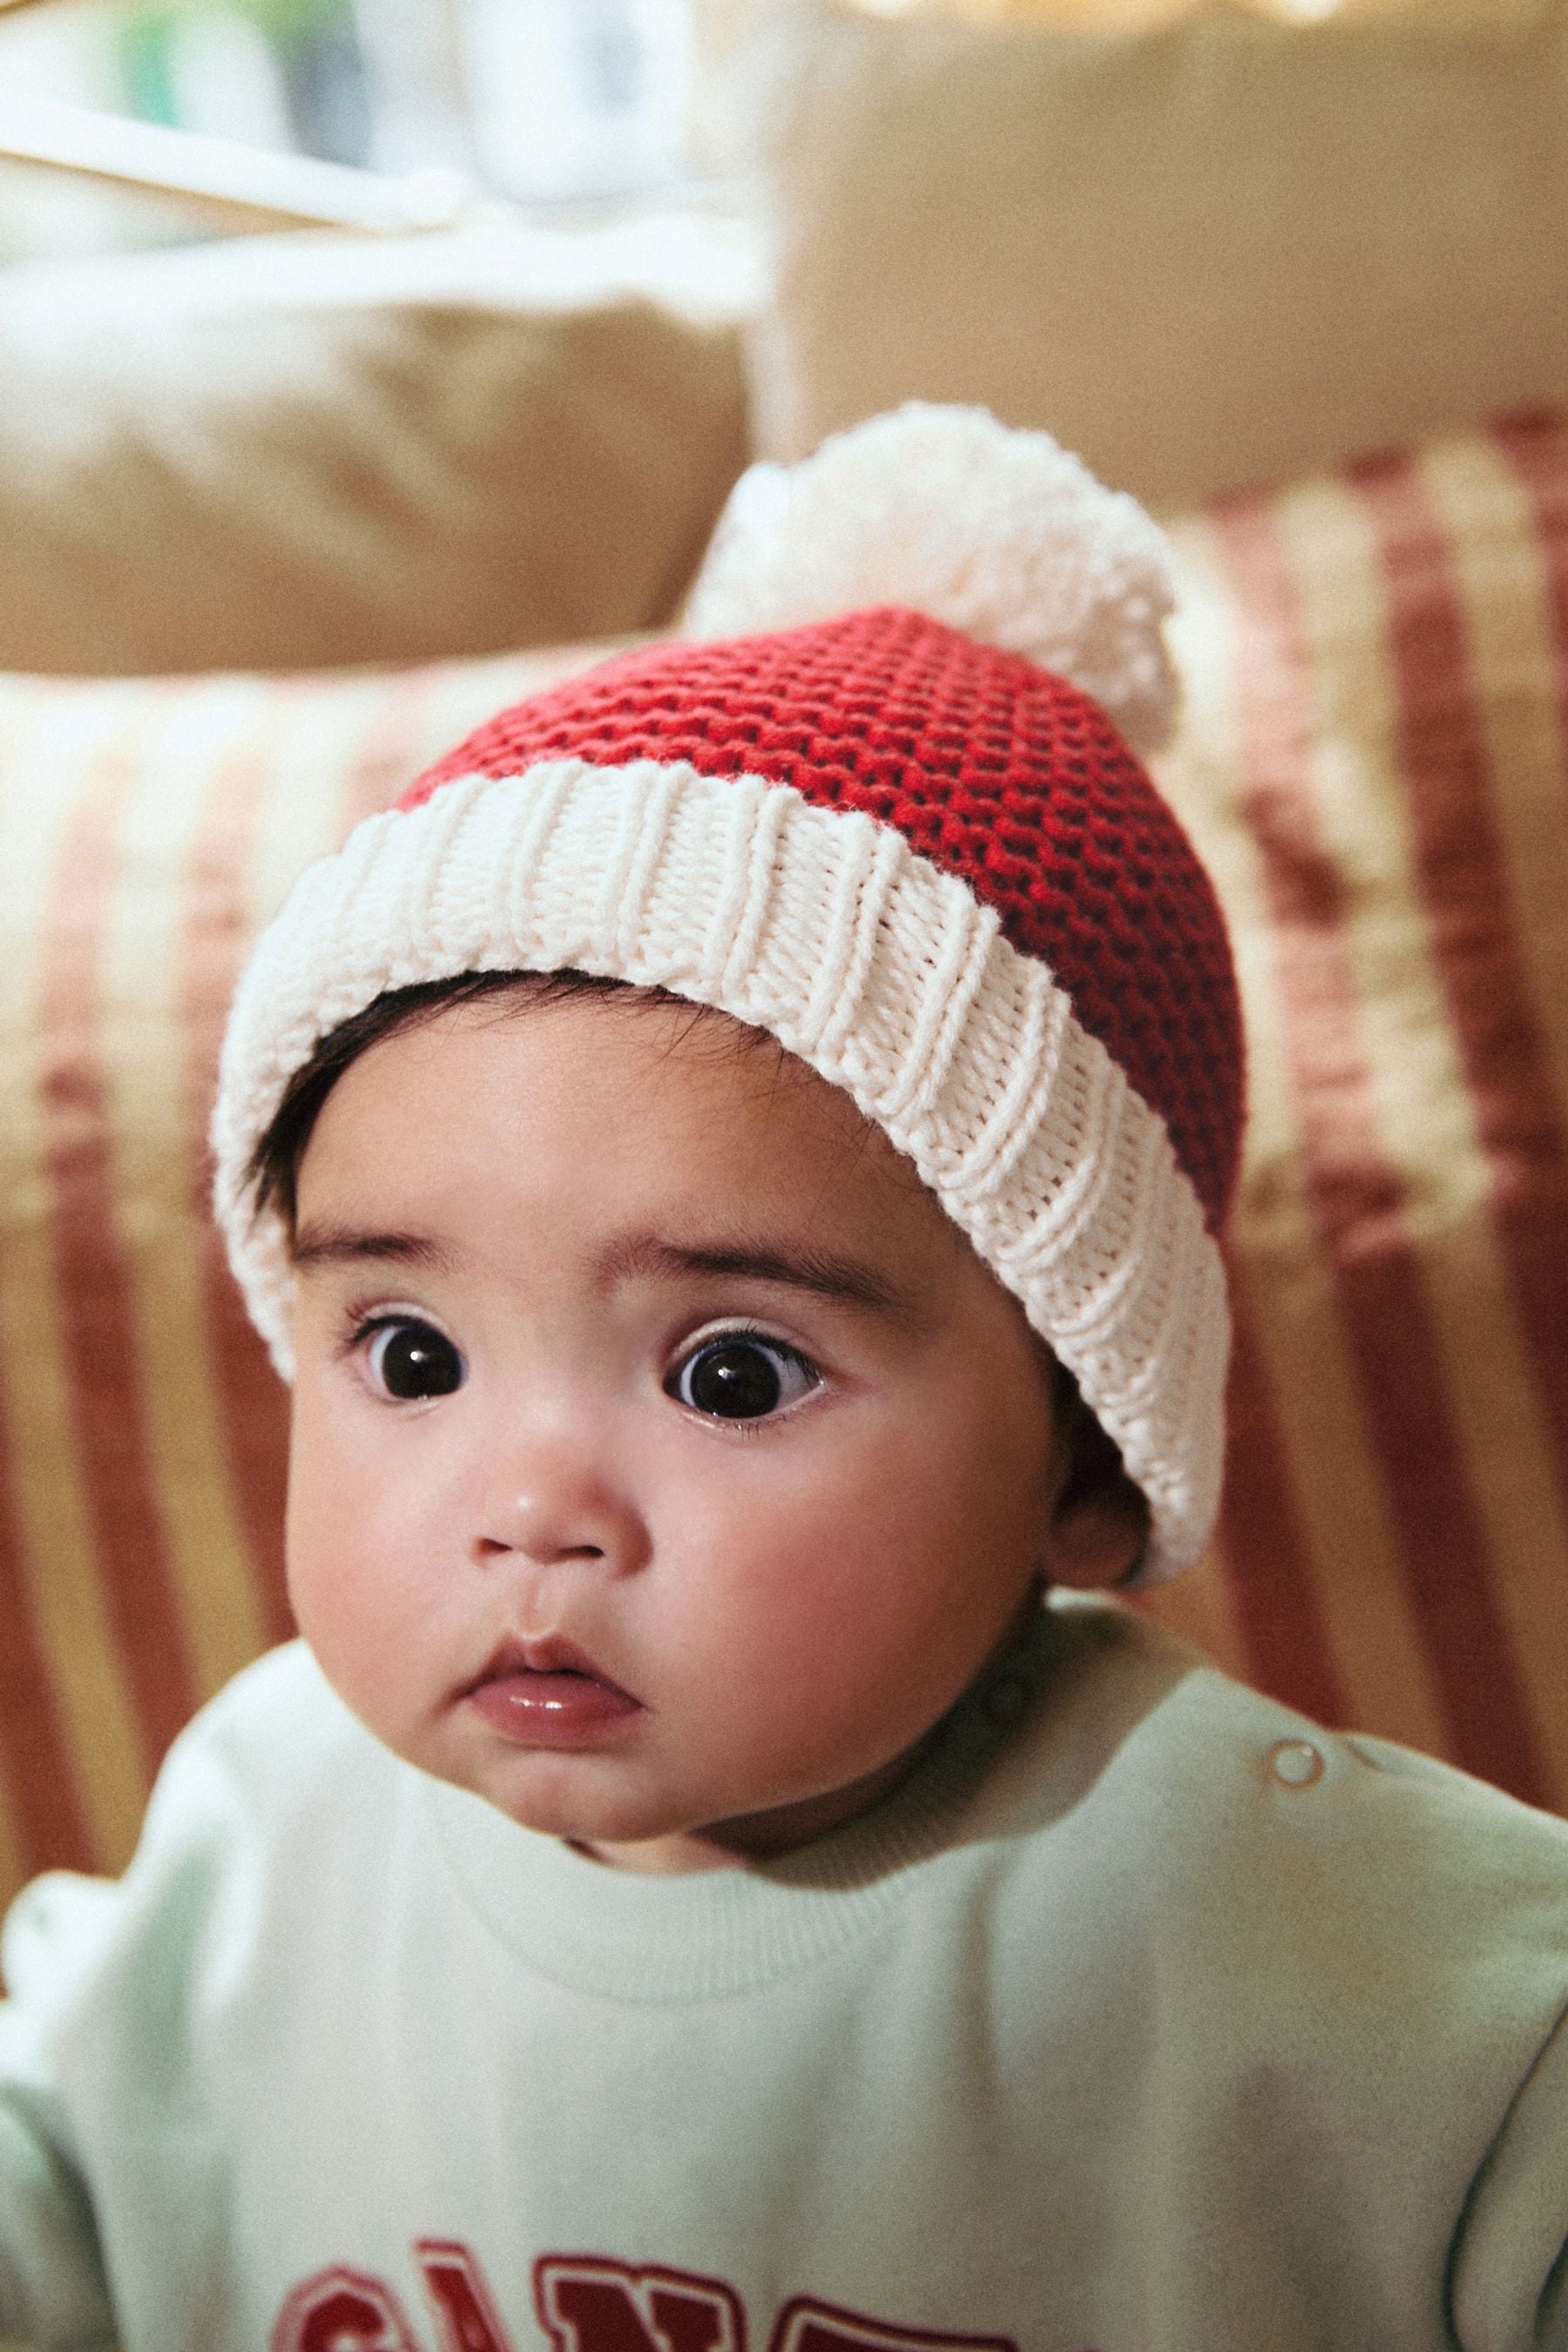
x=861, y=806
x=990, y=767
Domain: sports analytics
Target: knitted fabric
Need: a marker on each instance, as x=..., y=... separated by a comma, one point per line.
x=1001, y=533
x=995, y=771
x=935, y=875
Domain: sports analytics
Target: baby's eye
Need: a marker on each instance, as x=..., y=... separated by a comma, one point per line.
x=739, y=1377
x=410, y=1359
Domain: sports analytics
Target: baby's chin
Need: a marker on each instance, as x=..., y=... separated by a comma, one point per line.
x=654, y=1833
x=596, y=1805
x=626, y=1803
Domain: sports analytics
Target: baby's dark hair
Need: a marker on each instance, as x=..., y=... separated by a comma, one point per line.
x=1095, y=1463
x=274, y=1167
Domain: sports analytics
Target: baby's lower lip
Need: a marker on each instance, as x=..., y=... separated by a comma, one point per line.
x=556, y=1709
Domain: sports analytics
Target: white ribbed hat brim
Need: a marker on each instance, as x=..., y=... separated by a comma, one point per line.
x=886, y=975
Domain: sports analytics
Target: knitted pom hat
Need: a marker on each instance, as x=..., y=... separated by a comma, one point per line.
x=912, y=844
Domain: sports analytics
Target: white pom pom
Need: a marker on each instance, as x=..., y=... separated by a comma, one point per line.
x=997, y=532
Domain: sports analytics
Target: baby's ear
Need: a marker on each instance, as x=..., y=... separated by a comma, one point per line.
x=1100, y=1521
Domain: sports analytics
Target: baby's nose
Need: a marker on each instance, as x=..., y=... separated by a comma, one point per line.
x=552, y=1500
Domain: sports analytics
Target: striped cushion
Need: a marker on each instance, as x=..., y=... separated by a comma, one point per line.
x=1373, y=765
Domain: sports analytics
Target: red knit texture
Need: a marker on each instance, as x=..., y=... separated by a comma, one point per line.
x=995, y=771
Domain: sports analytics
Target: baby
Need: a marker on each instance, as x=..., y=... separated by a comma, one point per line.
x=733, y=1169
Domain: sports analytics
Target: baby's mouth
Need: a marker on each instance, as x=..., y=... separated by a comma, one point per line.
x=548, y=1694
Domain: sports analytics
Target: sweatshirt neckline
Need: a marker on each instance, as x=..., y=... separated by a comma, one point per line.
x=711, y=1935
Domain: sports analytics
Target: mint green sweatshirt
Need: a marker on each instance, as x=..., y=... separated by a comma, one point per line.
x=1144, y=2017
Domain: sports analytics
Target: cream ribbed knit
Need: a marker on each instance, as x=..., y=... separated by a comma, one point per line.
x=885, y=975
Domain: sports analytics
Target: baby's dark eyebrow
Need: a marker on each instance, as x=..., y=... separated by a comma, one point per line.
x=826, y=1275
x=842, y=1279
x=344, y=1245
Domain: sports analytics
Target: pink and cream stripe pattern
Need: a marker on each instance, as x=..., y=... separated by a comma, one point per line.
x=1375, y=765
x=1375, y=768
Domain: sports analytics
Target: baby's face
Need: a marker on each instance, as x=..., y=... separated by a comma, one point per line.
x=665, y=1463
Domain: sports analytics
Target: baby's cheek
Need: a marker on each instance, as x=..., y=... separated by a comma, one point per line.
x=331, y=1553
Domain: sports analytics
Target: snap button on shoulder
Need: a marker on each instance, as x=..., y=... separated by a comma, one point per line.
x=1296, y=1763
